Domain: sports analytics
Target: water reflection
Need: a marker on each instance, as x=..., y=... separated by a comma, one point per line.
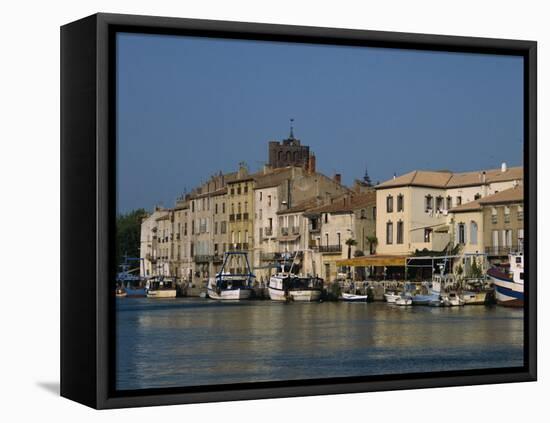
x=189, y=342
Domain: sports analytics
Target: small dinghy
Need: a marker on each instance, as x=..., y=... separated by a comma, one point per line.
x=353, y=297
x=403, y=301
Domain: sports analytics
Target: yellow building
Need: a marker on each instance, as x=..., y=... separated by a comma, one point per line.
x=240, y=203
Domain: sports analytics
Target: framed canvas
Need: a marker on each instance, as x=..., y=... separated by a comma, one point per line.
x=259, y=211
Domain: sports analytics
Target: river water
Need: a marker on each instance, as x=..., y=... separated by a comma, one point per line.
x=192, y=341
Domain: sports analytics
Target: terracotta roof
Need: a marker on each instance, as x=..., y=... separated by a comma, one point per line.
x=273, y=177
x=448, y=179
x=300, y=207
x=347, y=203
x=511, y=195
x=466, y=207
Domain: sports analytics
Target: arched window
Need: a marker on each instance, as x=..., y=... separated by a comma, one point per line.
x=288, y=156
x=473, y=232
x=280, y=155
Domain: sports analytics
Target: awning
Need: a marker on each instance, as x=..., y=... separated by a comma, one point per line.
x=288, y=238
x=373, y=261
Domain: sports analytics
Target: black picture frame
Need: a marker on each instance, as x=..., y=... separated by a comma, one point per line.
x=88, y=213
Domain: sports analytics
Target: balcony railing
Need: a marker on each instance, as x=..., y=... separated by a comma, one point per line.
x=330, y=248
x=503, y=250
x=203, y=258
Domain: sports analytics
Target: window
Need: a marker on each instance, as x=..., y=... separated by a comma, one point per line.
x=473, y=232
x=215, y=228
x=239, y=190
x=477, y=196
x=399, y=239
x=269, y=200
x=520, y=240
x=449, y=205
x=223, y=208
x=427, y=235
x=520, y=212
x=245, y=188
x=260, y=214
x=389, y=233
x=506, y=214
x=326, y=217
x=232, y=191
x=192, y=227
x=458, y=200
x=400, y=203
x=246, y=206
x=216, y=209
x=429, y=203
x=494, y=215
x=185, y=229
x=326, y=239
x=439, y=203
x=389, y=204
x=261, y=195
x=461, y=233
x=338, y=236
x=374, y=213
x=363, y=214
x=192, y=206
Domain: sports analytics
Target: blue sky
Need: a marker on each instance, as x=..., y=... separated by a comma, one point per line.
x=189, y=107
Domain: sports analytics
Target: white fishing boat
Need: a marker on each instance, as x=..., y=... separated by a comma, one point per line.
x=475, y=298
x=509, y=283
x=232, y=286
x=286, y=286
x=353, y=297
x=161, y=287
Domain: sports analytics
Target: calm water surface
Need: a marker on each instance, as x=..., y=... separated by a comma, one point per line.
x=192, y=341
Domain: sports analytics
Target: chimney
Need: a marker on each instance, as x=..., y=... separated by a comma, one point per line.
x=503, y=167
x=338, y=178
x=311, y=164
x=267, y=168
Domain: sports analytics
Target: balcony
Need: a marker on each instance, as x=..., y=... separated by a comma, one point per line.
x=503, y=250
x=284, y=231
x=330, y=248
x=202, y=258
x=295, y=230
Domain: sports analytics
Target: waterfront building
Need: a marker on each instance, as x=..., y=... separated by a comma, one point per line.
x=240, y=200
x=503, y=216
x=154, y=243
x=280, y=197
x=413, y=209
x=344, y=227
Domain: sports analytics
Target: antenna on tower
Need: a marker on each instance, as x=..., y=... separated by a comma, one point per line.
x=291, y=128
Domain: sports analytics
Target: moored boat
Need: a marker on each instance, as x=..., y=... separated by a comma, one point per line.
x=286, y=286
x=161, y=287
x=353, y=297
x=232, y=286
x=403, y=301
x=509, y=283
x=391, y=297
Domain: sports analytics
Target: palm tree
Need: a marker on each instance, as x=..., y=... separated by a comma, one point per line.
x=350, y=243
x=372, y=241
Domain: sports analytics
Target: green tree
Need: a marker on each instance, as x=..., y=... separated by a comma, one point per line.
x=350, y=243
x=373, y=241
x=128, y=228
